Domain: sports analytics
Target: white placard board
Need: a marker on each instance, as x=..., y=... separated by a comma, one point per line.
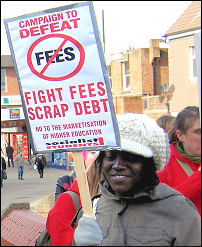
x=63, y=79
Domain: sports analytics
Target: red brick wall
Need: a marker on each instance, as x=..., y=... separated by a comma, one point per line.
x=133, y=104
x=5, y=243
x=11, y=83
x=21, y=227
x=147, y=73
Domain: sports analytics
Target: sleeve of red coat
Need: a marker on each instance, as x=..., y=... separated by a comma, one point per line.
x=190, y=187
x=59, y=220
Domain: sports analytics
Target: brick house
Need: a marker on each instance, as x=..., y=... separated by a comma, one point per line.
x=137, y=77
x=182, y=58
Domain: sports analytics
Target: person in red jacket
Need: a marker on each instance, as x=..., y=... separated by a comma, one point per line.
x=60, y=217
x=183, y=170
x=58, y=223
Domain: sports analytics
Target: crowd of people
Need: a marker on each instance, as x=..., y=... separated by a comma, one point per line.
x=143, y=193
x=19, y=161
x=148, y=193
x=134, y=207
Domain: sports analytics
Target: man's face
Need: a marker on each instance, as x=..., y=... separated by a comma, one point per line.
x=122, y=170
x=192, y=138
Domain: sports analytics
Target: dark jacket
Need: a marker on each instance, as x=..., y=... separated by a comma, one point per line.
x=9, y=151
x=63, y=184
x=41, y=162
x=3, y=163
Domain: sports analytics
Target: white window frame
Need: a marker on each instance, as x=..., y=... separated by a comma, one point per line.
x=192, y=61
x=125, y=76
x=3, y=79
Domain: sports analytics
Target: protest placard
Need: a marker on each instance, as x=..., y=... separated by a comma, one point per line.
x=63, y=79
x=64, y=83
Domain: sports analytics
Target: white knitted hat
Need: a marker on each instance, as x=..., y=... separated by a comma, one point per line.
x=141, y=135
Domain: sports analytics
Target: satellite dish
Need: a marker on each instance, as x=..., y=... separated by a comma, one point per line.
x=164, y=88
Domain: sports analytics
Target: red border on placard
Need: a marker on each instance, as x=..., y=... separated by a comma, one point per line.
x=66, y=37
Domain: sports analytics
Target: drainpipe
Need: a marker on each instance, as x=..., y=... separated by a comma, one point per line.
x=154, y=75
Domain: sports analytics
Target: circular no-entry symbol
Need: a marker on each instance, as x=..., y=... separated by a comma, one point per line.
x=65, y=38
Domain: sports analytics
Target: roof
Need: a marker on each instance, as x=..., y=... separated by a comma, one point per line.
x=188, y=21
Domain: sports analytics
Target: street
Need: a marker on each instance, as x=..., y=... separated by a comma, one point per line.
x=32, y=188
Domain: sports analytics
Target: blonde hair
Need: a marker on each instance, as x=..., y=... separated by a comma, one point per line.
x=166, y=122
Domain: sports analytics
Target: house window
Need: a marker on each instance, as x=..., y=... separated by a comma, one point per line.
x=110, y=75
x=193, y=75
x=3, y=80
x=126, y=76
